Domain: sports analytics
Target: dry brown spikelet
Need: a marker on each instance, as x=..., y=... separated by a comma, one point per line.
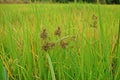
x=63, y=44
x=94, y=18
x=47, y=46
x=58, y=32
x=43, y=35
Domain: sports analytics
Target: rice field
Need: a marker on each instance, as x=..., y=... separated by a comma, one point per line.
x=59, y=42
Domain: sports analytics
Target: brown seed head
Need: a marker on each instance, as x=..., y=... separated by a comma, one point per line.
x=58, y=32
x=94, y=18
x=52, y=45
x=47, y=46
x=43, y=35
x=63, y=44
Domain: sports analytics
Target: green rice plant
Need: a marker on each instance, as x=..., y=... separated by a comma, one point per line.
x=3, y=73
x=59, y=41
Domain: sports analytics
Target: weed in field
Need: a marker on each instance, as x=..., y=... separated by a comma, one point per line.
x=63, y=44
x=47, y=46
x=58, y=32
x=94, y=19
x=43, y=35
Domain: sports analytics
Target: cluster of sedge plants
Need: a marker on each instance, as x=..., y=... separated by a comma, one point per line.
x=46, y=45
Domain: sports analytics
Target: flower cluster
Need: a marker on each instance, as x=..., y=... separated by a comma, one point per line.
x=94, y=19
x=47, y=45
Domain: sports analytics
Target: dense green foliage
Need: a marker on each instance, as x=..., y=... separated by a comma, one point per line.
x=59, y=42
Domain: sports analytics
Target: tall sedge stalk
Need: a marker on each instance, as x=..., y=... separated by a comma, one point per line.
x=36, y=12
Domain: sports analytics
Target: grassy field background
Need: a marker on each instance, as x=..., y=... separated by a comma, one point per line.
x=59, y=42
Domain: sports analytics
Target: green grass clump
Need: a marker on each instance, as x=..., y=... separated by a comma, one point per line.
x=59, y=42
